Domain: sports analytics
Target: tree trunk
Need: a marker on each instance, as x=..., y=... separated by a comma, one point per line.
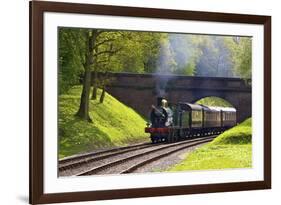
x=83, y=111
x=102, y=95
x=94, y=94
x=95, y=87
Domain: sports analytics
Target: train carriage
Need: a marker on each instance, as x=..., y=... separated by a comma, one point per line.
x=190, y=115
x=212, y=117
x=190, y=119
x=228, y=117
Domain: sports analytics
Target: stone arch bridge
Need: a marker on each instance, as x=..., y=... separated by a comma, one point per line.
x=140, y=91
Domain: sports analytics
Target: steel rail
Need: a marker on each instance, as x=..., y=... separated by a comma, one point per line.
x=81, y=156
x=88, y=159
x=145, y=162
x=94, y=170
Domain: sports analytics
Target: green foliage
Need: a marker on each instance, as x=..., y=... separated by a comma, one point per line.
x=241, y=55
x=108, y=44
x=71, y=46
x=150, y=52
x=213, y=56
x=166, y=63
x=139, y=53
x=114, y=124
x=185, y=53
x=214, y=101
x=231, y=149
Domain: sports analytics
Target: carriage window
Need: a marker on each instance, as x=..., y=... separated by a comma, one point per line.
x=185, y=119
x=197, y=116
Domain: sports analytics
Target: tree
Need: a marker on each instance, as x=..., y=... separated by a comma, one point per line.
x=241, y=55
x=139, y=53
x=90, y=41
x=105, y=81
x=166, y=62
x=98, y=45
x=214, y=57
x=71, y=46
x=185, y=53
x=105, y=48
x=151, y=50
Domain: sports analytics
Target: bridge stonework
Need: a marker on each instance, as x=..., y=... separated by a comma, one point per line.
x=140, y=91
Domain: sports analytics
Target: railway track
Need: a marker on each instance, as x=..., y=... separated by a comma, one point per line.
x=131, y=161
x=80, y=160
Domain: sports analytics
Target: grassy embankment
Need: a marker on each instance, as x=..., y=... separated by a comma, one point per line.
x=114, y=124
x=231, y=149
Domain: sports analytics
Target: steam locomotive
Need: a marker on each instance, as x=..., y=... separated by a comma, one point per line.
x=185, y=120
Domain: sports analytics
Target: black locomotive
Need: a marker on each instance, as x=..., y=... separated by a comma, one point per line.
x=183, y=120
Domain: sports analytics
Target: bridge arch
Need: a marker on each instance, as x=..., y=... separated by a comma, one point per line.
x=241, y=101
x=214, y=101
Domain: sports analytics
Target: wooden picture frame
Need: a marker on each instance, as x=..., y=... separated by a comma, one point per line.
x=37, y=9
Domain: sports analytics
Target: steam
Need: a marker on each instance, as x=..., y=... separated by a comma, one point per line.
x=183, y=50
x=192, y=55
x=165, y=65
x=174, y=56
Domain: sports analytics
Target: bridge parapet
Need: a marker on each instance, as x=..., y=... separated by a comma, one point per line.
x=139, y=91
x=174, y=82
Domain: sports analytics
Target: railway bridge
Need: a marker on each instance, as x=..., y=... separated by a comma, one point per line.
x=140, y=91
